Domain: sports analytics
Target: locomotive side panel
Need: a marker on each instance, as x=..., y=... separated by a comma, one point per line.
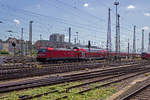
x=62, y=55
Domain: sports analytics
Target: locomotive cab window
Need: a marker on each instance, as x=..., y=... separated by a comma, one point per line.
x=41, y=50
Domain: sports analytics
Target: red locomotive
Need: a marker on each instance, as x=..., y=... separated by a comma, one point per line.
x=145, y=55
x=51, y=54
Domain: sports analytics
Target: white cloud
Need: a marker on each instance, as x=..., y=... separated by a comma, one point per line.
x=86, y=5
x=16, y=21
x=131, y=7
x=147, y=14
x=146, y=28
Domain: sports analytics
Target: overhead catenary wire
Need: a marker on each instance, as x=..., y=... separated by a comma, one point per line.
x=60, y=20
x=45, y=16
x=68, y=23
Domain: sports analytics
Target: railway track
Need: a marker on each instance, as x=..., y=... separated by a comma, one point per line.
x=140, y=93
x=31, y=64
x=69, y=78
x=17, y=66
x=119, y=77
x=48, y=69
x=18, y=59
x=104, y=85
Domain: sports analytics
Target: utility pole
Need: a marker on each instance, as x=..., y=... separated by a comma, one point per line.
x=75, y=40
x=40, y=36
x=134, y=40
x=119, y=36
x=22, y=50
x=149, y=44
x=40, y=40
x=109, y=34
x=26, y=48
x=69, y=34
x=116, y=3
x=128, y=48
x=30, y=37
x=142, y=40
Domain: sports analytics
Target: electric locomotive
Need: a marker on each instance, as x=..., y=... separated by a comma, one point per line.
x=51, y=54
x=145, y=55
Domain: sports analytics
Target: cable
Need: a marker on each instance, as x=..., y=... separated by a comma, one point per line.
x=36, y=14
x=79, y=26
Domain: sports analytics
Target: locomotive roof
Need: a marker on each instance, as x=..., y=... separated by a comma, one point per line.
x=84, y=50
x=80, y=49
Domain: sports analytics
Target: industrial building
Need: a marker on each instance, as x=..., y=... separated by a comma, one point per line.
x=55, y=41
x=56, y=37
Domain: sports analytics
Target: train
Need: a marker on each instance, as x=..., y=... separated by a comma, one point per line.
x=145, y=56
x=76, y=54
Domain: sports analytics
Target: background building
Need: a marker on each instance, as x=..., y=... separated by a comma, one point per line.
x=55, y=41
x=7, y=46
x=57, y=37
x=46, y=43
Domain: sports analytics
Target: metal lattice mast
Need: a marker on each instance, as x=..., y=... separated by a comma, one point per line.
x=142, y=40
x=116, y=46
x=109, y=32
x=134, y=40
x=149, y=44
x=128, y=48
x=118, y=35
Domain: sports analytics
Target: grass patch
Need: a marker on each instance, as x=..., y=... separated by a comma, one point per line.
x=31, y=92
x=95, y=94
x=2, y=52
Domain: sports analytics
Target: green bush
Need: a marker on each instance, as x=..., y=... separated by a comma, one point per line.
x=4, y=52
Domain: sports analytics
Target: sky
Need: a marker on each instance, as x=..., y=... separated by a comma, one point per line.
x=87, y=17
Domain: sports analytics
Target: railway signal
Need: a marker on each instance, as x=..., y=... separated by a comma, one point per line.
x=89, y=45
x=13, y=44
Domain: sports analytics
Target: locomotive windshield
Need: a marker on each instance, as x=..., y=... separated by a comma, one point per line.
x=41, y=50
